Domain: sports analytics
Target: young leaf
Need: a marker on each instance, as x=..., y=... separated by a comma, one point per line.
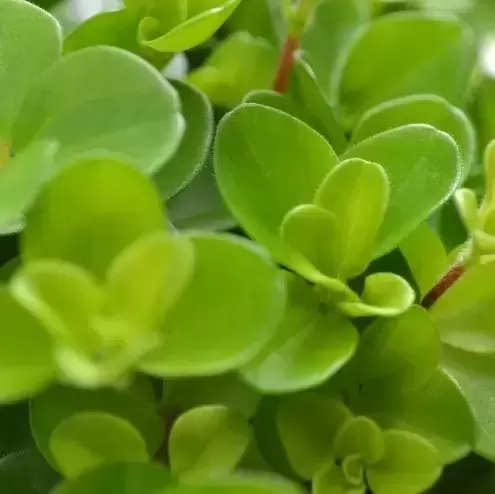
x=437, y=411
x=128, y=478
x=207, y=442
x=308, y=347
x=238, y=65
x=88, y=440
x=197, y=333
x=267, y=162
x=26, y=362
x=464, y=313
x=405, y=349
x=420, y=162
x=191, y=155
x=422, y=109
x=60, y=403
x=331, y=480
x=103, y=98
x=385, y=295
x=356, y=192
x=308, y=425
x=375, y=69
x=90, y=212
x=410, y=465
x=204, y=18
x=31, y=42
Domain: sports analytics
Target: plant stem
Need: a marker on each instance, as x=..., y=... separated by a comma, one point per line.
x=453, y=275
x=284, y=72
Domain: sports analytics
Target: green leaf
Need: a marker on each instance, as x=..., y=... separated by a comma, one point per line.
x=331, y=480
x=87, y=440
x=26, y=362
x=110, y=205
x=123, y=478
x=361, y=437
x=411, y=465
x=31, y=42
x=464, y=313
x=357, y=193
x=21, y=180
x=375, y=69
x=191, y=155
x=238, y=65
x=261, y=183
x=309, y=346
x=207, y=442
x=308, y=425
x=204, y=18
x=437, y=411
x=329, y=30
x=422, y=109
x=405, y=349
x=483, y=105
x=228, y=389
x=197, y=333
x=15, y=434
x=103, y=98
x=432, y=155
x=133, y=405
x=385, y=295
x=427, y=270
x=475, y=374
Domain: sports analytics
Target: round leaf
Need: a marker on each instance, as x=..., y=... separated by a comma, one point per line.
x=90, y=212
x=375, y=69
x=262, y=181
x=198, y=336
x=411, y=465
x=207, y=442
x=331, y=480
x=26, y=361
x=309, y=346
x=87, y=440
x=420, y=162
x=103, y=98
x=190, y=157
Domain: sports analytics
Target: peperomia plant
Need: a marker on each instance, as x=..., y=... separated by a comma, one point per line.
x=270, y=273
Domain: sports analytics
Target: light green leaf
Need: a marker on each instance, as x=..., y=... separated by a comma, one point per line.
x=385, y=295
x=437, y=411
x=60, y=403
x=309, y=346
x=464, y=313
x=122, y=478
x=422, y=109
x=420, y=162
x=107, y=205
x=404, y=349
x=261, y=182
x=467, y=206
x=249, y=296
x=357, y=193
x=360, y=437
x=329, y=30
x=31, y=42
x=191, y=155
x=483, y=105
x=375, y=69
x=88, y=440
x=238, y=65
x=21, y=180
x=26, y=362
x=204, y=18
x=308, y=425
x=331, y=480
x=410, y=465
x=207, y=442
x=427, y=270
x=103, y=98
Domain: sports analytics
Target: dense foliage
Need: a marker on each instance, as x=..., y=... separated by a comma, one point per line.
x=273, y=273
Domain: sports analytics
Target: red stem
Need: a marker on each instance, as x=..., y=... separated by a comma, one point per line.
x=284, y=71
x=443, y=285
